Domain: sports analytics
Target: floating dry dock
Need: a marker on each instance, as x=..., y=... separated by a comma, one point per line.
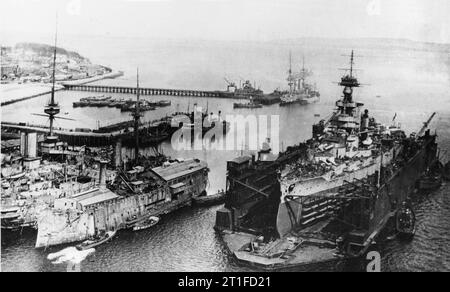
x=333, y=199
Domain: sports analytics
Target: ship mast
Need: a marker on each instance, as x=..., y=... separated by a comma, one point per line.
x=349, y=82
x=351, y=64
x=290, y=73
x=137, y=116
x=348, y=110
x=303, y=64
x=301, y=81
x=52, y=108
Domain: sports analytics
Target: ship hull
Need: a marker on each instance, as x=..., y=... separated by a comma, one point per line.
x=57, y=227
x=62, y=224
x=396, y=189
x=302, y=101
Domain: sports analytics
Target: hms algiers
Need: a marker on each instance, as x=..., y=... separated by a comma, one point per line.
x=70, y=194
x=331, y=197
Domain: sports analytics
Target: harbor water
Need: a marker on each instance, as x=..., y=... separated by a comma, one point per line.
x=409, y=83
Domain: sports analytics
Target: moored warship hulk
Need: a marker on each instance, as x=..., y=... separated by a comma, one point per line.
x=54, y=187
x=136, y=194
x=332, y=200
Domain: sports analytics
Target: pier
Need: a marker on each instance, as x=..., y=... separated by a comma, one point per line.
x=158, y=130
x=144, y=91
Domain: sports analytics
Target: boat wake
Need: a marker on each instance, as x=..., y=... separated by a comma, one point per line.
x=70, y=255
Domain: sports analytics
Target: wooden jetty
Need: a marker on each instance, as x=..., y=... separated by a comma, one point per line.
x=145, y=91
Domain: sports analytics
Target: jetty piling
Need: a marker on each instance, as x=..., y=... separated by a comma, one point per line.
x=143, y=91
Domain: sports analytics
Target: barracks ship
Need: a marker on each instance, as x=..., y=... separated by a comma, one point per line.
x=330, y=197
x=136, y=193
x=65, y=195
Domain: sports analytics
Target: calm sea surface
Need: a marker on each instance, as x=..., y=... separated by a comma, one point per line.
x=412, y=82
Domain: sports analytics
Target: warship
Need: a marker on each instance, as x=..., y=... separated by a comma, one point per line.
x=198, y=120
x=300, y=92
x=328, y=199
x=135, y=193
x=69, y=195
x=41, y=172
x=245, y=90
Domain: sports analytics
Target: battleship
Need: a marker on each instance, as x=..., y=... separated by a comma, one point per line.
x=300, y=92
x=328, y=199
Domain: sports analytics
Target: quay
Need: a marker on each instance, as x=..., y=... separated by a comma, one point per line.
x=102, y=137
x=13, y=93
x=22, y=92
x=145, y=91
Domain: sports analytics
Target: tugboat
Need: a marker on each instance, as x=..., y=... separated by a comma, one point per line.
x=332, y=200
x=300, y=92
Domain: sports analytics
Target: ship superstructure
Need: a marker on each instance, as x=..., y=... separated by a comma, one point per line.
x=245, y=90
x=44, y=170
x=332, y=200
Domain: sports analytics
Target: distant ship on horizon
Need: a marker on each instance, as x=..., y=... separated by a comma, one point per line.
x=300, y=92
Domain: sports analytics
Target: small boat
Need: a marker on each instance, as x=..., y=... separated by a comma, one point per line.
x=250, y=104
x=211, y=200
x=91, y=243
x=131, y=221
x=288, y=100
x=247, y=105
x=163, y=103
x=150, y=222
x=405, y=223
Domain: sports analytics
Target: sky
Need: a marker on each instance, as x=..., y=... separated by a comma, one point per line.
x=235, y=20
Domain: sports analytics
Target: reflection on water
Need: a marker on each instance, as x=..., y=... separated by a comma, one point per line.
x=412, y=84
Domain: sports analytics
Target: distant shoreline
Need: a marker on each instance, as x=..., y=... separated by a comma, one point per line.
x=34, y=90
